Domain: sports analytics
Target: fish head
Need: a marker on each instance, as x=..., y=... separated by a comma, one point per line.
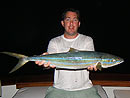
x=111, y=60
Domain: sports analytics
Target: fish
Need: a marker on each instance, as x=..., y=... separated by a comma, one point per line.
x=73, y=59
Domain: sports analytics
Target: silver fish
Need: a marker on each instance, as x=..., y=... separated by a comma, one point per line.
x=73, y=59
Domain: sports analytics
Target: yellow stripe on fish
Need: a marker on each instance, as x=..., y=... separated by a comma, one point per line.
x=73, y=59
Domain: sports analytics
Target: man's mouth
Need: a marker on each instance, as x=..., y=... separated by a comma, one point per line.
x=71, y=27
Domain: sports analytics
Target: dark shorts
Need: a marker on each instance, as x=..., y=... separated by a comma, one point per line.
x=53, y=92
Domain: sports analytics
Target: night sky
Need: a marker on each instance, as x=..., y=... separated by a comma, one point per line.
x=28, y=26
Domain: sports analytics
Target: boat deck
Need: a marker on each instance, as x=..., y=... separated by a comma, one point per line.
x=103, y=79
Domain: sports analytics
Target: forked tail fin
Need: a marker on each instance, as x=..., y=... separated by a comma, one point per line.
x=21, y=58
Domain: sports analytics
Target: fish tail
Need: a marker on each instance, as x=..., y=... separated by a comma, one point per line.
x=21, y=58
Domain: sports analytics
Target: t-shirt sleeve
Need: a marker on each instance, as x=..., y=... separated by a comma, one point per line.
x=89, y=44
x=52, y=47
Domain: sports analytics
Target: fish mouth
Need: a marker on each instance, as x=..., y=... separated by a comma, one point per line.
x=122, y=61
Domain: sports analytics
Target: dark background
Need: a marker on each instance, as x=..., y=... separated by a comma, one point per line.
x=26, y=27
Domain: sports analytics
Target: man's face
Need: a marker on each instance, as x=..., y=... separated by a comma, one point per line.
x=71, y=23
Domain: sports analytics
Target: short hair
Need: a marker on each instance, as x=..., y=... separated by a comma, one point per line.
x=71, y=10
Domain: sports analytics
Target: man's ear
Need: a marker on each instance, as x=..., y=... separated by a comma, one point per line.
x=79, y=23
x=62, y=22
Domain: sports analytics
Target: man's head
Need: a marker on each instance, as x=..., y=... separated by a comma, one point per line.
x=70, y=21
x=71, y=10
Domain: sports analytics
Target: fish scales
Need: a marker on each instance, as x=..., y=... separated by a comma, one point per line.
x=73, y=59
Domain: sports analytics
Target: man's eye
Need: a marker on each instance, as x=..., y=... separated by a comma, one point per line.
x=67, y=19
x=76, y=19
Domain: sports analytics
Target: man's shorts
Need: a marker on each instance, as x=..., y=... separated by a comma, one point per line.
x=53, y=92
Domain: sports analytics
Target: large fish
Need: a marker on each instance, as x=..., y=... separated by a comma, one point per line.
x=73, y=59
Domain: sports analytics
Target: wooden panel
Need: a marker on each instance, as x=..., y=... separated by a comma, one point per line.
x=32, y=84
x=111, y=83
x=47, y=80
x=95, y=82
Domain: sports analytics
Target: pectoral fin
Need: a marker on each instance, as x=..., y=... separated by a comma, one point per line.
x=98, y=66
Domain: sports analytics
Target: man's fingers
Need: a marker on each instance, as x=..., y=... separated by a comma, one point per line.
x=40, y=62
x=45, y=53
x=47, y=64
x=95, y=68
x=36, y=62
x=44, y=64
x=53, y=66
x=92, y=68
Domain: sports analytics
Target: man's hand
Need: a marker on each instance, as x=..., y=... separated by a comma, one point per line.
x=92, y=68
x=44, y=63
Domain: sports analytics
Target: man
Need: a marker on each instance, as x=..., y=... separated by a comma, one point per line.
x=74, y=83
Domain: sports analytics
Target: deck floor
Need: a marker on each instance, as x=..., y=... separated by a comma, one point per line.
x=103, y=79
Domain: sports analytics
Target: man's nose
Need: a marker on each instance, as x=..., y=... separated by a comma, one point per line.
x=71, y=22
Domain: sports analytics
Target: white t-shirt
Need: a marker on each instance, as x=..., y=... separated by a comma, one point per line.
x=66, y=79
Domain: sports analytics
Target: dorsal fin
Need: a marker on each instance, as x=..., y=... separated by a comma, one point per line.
x=73, y=50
